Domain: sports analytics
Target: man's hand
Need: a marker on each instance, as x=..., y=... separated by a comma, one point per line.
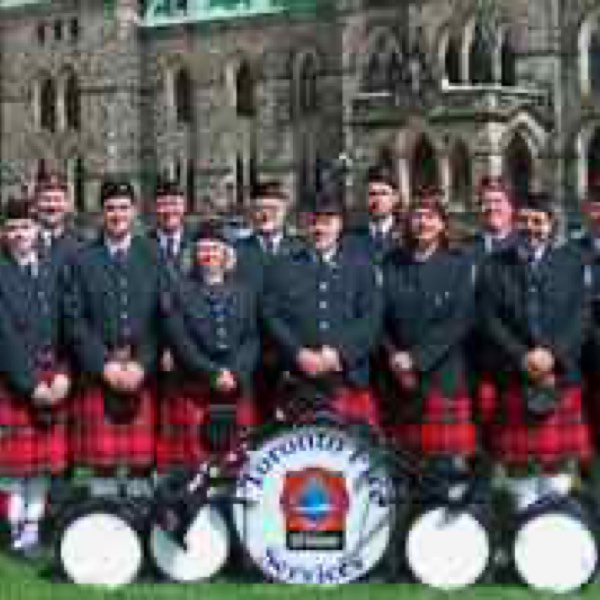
x=310, y=362
x=225, y=382
x=401, y=361
x=539, y=362
x=60, y=388
x=113, y=375
x=42, y=395
x=331, y=359
x=132, y=376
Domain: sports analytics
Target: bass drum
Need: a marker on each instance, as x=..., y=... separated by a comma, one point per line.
x=101, y=541
x=202, y=555
x=449, y=548
x=554, y=546
x=312, y=506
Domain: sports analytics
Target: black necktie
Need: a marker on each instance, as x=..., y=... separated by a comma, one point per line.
x=119, y=257
x=28, y=270
x=171, y=247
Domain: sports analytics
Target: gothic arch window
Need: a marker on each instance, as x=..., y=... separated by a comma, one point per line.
x=593, y=158
x=452, y=61
x=460, y=161
x=508, y=62
x=245, y=91
x=383, y=70
x=48, y=105
x=424, y=166
x=307, y=94
x=480, y=59
x=594, y=62
x=79, y=184
x=72, y=102
x=183, y=96
x=518, y=165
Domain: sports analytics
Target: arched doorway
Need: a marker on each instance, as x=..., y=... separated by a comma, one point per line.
x=593, y=159
x=424, y=165
x=461, y=183
x=518, y=165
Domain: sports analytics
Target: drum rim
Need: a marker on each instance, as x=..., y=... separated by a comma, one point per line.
x=167, y=576
x=397, y=516
x=105, y=505
x=478, y=518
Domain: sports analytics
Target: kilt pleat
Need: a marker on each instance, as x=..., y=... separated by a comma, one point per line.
x=29, y=446
x=518, y=440
x=183, y=412
x=98, y=441
x=444, y=424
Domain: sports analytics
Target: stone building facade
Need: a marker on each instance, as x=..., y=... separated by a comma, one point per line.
x=444, y=91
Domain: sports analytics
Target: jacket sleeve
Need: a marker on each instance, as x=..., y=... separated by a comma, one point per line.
x=447, y=335
x=246, y=356
x=273, y=315
x=362, y=334
x=87, y=346
x=492, y=324
x=177, y=336
x=15, y=362
x=568, y=341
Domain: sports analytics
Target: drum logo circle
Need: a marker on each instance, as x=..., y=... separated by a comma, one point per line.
x=313, y=508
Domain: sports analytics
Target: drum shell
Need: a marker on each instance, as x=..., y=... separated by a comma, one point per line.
x=289, y=526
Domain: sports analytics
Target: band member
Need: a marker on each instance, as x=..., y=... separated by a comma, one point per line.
x=383, y=230
x=35, y=379
x=54, y=208
x=210, y=323
x=428, y=302
x=255, y=255
x=496, y=233
x=589, y=247
x=112, y=310
x=535, y=310
x=322, y=307
x=173, y=238
x=270, y=206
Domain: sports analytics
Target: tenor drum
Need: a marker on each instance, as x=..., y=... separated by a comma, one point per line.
x=448, y=548
x=554, y=547
x=313, y=507
x=200, y=555
x=100, y=542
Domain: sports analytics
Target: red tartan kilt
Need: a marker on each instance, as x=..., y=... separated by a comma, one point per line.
x=445, y=426
x=182, y=413
x=96, y=441
x=564, y=434
x=357, y=405
x=26, y=447
x=486, y=399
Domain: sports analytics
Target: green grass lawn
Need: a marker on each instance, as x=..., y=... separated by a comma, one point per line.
x=27, y=581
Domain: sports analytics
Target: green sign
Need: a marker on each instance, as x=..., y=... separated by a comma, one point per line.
x=166, y=12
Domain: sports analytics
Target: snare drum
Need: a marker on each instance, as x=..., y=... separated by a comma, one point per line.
x=312, y=507
x=554, y=546
x=100, y=541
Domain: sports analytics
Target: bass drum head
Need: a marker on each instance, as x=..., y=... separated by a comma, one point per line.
x=556, y=552
x=207, y=548
x=312, y=508
x=100, y=546
x=447, y=550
